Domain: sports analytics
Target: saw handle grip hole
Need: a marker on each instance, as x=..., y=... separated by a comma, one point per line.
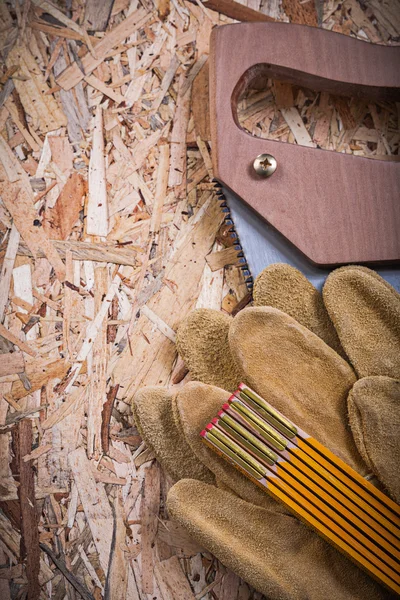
x=279, y=109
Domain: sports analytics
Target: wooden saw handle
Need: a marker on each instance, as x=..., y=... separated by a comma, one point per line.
x=335, y=208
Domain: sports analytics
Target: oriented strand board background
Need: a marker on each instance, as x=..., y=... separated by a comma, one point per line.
x=110, y=234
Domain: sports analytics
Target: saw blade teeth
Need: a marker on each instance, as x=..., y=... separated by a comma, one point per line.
x=242, y=262
x=228, y=221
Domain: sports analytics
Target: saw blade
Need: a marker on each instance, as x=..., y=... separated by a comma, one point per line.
x=262, y=245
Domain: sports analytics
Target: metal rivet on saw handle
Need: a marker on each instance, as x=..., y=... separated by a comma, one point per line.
x=265, y=165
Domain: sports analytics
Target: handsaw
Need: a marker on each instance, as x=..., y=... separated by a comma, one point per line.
x=318, y=209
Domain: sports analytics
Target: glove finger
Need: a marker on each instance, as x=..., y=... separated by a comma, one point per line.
x=365, y=311
x=374, y=413
x=298, y=374
x=287, y=289
x=197, y=404
x=372, y=274
x=202, y=342
x=153, y=412
x=275, y=553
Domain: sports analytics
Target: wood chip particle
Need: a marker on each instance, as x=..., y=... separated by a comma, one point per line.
x=210, y=587
x=19, y=204
x=11, y=337
x=172, y=580
x=205, y=156
x=39, y=451
x=177, y=170
x=98, y=379
x=11, y=541
x=44, y=299
x=11, y=362
x=97, y=205
x=48, y=7
x=180, y=371
x=31, y=86
x=71, y=404
x=39, y=373
x=142, y=149
x=68, y=307
x=200, y=103
x=297, y=127
x=222, y=258
x=283, y=93
x=166, y=82
x=22, y=444
x=194, y=71
x=61, y=566
x=236, y=11
x=97, y=84
x=161, y=188
x=96, y=251
x=343, y=108
x=149, y=512
x=146, y=456
x=97, y=14
x=117, y=576
x=92, y=331
x=61, y=152
x=95, y=504
x=13, y=170
x=7, y=269
x=178, y=538
x=73, y=74
x=160, y=324
x=26, y=135
x=229, y=303
x=229, y=586
x=106, y=417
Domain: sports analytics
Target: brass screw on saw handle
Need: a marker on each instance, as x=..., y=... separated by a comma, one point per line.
x=265, y=165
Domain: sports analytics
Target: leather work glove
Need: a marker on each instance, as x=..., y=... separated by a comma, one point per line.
x=304, y=353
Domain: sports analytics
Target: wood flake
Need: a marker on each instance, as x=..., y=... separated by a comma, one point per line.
x=11, y=337
x=11, y=363
x=32, y=90
x=95, y=504
x=117, y=576
x=149, y=511
x=98, y=380
x=97, y=205
x=73, y=74
x=178, y=137
x=96, y=251
x=172, y=580
x=295, y=122
x=20, y=206
x=7, y=269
